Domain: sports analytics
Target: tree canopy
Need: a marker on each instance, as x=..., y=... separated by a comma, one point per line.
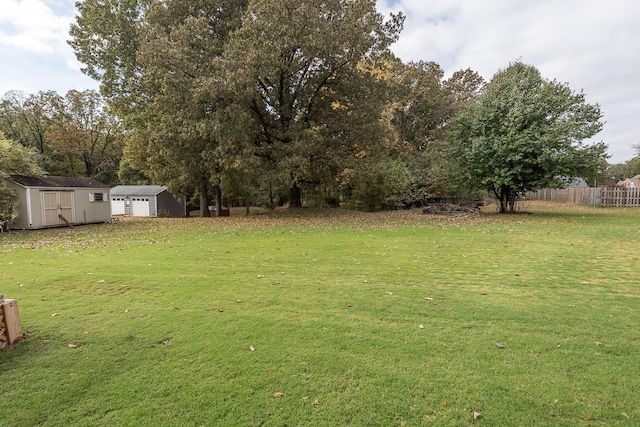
x=292, y=96
x=206, y=84
x=75, y=134
x=523, y=133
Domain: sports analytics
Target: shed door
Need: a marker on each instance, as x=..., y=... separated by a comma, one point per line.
x=140, y=206
x=50, y=207
x=65, y=205
x=55, y=205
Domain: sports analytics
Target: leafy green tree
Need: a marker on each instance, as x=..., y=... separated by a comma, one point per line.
x=523, y=133
x=105, y=40
x=26, y=118
x=621, y=171
x=157, y=61
x=181, y=47
x=424, y=103
x=75, y=134
x=15, y=159
x=380, y=185
x=305, y=71
x=86, y=139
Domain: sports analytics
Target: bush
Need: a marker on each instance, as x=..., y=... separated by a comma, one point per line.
x=8, y=208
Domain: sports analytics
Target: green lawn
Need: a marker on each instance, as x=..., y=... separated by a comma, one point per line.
x=384, y=319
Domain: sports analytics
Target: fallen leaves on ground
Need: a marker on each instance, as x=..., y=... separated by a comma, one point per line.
x=278, y=394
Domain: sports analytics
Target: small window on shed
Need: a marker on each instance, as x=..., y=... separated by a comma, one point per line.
x=97, y=197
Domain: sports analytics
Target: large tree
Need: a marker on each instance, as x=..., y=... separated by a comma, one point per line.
x=85, y=138
x=423, y=104
x=105, y=40
x=26, y=118
x=181, y=46
x=523, y=133
x=306, y=72
x=157, y=62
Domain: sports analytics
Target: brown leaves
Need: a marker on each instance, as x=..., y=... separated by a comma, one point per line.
x=278, y=394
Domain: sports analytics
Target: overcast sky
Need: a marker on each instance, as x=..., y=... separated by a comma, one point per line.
x=592, y=45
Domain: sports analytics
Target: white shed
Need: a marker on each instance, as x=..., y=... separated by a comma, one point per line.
x=53, y=201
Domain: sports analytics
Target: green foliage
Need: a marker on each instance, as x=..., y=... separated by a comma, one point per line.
x=105, y=40
x=309, y=86
x=15, y=159
x=85, y=138
x=422, y=108
x=332, y=305
x=622, y=171
x=26, y=119
x=76, y=135
x=425, y=101
x=523, y=132
x=384, y=185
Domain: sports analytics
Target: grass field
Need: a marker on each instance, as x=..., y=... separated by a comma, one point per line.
x=327, y=319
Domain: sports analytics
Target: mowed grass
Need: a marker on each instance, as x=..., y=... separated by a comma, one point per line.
x=357, y=319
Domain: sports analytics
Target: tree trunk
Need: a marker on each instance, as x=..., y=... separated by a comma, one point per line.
x=295, y=196
x=218, y=200
x=271, y=203
x=204, y=206
x=504, y=199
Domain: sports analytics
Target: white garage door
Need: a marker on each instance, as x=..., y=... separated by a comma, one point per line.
x=117, y=206
x=140, y=207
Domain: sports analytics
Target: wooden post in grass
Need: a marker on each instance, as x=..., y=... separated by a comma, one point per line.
x=10, y=329
x=3, y=329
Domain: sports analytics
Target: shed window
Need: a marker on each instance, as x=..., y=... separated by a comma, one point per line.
x=97, y=197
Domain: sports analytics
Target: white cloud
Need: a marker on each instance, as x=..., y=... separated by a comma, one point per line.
x=32, y=26
x=589, y=44
x=34, y=49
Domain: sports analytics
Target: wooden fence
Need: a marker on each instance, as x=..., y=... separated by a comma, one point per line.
x=605, y=196
x=616, y=196
x=581, y=196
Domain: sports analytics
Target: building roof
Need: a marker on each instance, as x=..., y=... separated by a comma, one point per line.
x=57, y=181
x=137, y=190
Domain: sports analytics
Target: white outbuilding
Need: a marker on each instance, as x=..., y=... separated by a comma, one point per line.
x=54, y=201
x=145, y=200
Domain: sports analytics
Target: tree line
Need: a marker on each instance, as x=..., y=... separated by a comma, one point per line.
x=285, y=102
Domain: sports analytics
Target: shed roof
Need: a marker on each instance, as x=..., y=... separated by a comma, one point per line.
x=137, y=190
x=58, y=181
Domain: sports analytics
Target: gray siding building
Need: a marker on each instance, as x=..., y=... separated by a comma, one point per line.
x=145, y=200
